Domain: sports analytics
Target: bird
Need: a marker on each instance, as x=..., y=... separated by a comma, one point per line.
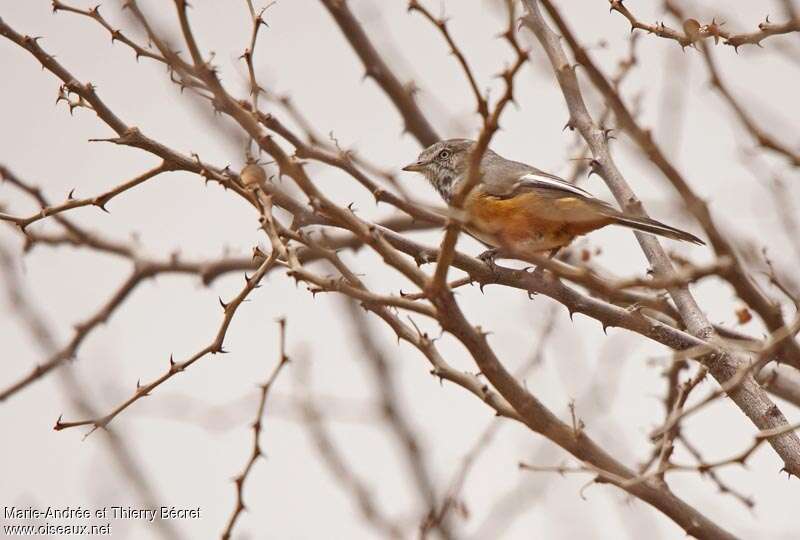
x=518, y=210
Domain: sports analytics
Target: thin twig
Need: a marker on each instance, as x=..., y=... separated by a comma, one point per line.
x=257, y=451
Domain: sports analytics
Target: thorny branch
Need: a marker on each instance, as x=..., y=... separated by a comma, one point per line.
x=761, y=136
x=626, y=303
x=748, y=396
x=491, y=123
x=257, y=426
x=693, y=31
x=740, y=458
x=215, y=347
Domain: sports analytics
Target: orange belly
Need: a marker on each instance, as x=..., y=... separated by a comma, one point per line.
x=529, y=223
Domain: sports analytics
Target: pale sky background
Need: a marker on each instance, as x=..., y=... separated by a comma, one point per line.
x=192, y=436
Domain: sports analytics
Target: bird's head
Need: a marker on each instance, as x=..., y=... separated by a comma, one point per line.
x=443, y=164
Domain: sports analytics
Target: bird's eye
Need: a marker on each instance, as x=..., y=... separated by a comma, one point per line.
x=444, y=154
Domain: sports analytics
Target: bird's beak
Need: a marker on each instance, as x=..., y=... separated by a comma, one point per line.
x=417, y=166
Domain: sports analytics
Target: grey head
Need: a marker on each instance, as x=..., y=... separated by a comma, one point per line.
x=445, y=163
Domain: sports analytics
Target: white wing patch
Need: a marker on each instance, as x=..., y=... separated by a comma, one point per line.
x=537, y=180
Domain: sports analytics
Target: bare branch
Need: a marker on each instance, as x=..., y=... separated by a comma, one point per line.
x=144, y=390
x=257, y=451
x=100, y=201
x=441, y=25
x=749, y=396
x=759, y=135
x=375, y=67
x=693, y=31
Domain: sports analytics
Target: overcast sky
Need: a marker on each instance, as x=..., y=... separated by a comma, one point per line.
x=192, y=436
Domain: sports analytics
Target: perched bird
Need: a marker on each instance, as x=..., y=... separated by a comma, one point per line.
x=519, y=210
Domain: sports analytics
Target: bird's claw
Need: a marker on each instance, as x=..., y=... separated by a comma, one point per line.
x=488, y=258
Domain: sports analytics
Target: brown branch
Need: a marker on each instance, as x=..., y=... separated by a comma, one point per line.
x=411, y=334
x=100, y=201
x=737, y=276
x=759, y=135
x=525, y=406
x=81, y=332
x=128, y=136
x=694, y=31
x=731, y=384
x=291, y=167
x=541, y=420
x=441, y=25
x=250, y=51
x=765, y=30
x=452, y=500
x=323, y=284
x=415, y=121
x=740, y=458
x=714, y=477
x=118, y=448
x=116, y=34
x=86, y=91
x=401, y=427
x=144, y=390
x=490, y=126
x=667, y=438
x=749, y=396
x=609, y=286
x=329, y=143
x=257, y=451
x=658, y=29
x=343, y=162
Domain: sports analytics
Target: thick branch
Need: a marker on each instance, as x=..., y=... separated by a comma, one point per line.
x=749, y=396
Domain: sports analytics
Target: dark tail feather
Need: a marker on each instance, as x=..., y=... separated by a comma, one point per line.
x=656, y=227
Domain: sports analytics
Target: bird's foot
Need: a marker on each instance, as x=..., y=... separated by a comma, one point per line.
x=488, y=258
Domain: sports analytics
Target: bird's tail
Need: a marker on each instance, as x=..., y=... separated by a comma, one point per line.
x=655, y=227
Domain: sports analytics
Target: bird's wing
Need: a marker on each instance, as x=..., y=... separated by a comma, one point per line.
x=510, y=185
x=553, y=197
x=548, y=181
